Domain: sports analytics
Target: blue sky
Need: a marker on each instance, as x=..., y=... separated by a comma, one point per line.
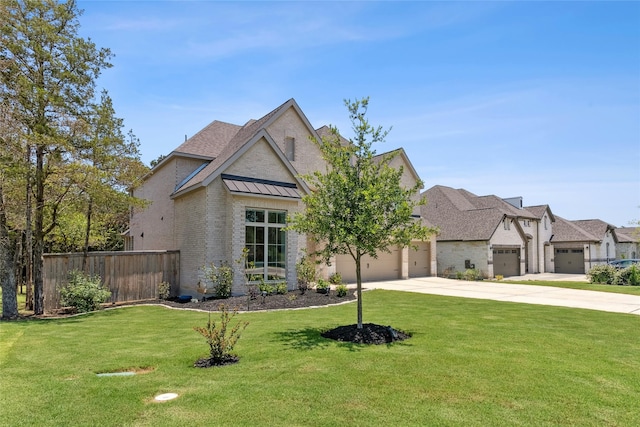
x=532, y=99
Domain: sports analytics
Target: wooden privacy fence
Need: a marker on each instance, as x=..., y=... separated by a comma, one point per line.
x=130, y=276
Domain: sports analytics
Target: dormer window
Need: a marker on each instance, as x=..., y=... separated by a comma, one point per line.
x=290, y=148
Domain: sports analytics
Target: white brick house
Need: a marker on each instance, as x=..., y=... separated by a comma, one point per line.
x=496, y=236
x=229, y=187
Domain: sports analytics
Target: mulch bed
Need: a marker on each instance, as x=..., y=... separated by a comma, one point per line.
x=369, y=334
x=293, y=299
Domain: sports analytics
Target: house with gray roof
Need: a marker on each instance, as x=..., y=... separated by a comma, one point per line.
x=497, y=236
x=579, y=245
x=628, y=242
x=231, y=187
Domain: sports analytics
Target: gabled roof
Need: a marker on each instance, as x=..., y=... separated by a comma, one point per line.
x=628, y=234
x=568, y=231
x=595, y=227
x=210, y=141
x=458, y=218
x=539, y=211
x=403, y=155
x=241, y=141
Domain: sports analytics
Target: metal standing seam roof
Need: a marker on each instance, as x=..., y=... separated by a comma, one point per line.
x=243, y=185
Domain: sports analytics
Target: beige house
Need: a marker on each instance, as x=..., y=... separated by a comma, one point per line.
x=496, y=236
x=231, y=187
x=582, y=244
x=628, y=242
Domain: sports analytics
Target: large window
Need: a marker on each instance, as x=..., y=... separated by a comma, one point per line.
x=266, y=241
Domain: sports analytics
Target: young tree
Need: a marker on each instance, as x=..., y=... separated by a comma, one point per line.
x=48, y=77
x=359, y=206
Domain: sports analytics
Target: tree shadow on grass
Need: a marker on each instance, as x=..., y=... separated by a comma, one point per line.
x=312, y=339
x=303, y=339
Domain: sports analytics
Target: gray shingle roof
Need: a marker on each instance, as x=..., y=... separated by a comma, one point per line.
x=627, y=234
x=462, y=215
x=568, y=231
x=457, y=218
x=239, y=139
x=539, y=211
x=210, y=141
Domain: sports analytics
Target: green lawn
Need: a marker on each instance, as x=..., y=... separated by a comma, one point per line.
x=629, y=290
x=469, y=362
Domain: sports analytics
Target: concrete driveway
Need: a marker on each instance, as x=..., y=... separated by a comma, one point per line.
x=527, y=294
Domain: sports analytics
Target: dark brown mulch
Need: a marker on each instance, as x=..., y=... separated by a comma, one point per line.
x=369, y=334
x=208, y=362
x=293, y=299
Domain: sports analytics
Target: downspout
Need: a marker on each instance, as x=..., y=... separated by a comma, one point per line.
x=540, y=270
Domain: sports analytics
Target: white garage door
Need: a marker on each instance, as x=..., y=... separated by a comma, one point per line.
x=420, y=260
x=385, y=267
x=569, y=261
x=506, y=262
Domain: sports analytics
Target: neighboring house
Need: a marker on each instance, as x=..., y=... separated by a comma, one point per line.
x=497, y=236
x=579, y=245
x=231, y=187
x=628, y=242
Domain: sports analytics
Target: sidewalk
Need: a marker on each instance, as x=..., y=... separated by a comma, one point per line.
x=527, y=294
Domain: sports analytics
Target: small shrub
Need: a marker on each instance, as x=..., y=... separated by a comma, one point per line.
x=221, y=338
x=292, y=297
x=220, y=277
x=281, y=288
x=267, y=287
x=164, y=290
x=335, y=279
x=629, y=276
x=603, y=274
x=472, y=274
x=341, y=290
x=83, y=292
x=499, y=277
x=323, y=286
x=306, y=271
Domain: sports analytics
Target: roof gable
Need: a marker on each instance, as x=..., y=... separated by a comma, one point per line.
x=241, y=141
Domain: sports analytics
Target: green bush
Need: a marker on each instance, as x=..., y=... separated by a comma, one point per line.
x=335, y=279
x=603, y=274
x=306, y=271
x=221, y=338
x=83, y=292
x=341, y=290
x=471, y=274
x=164, y=290
x=323, y=286
x=220, y=278
x=629, y=276
x=281, y=288
x=267, y=287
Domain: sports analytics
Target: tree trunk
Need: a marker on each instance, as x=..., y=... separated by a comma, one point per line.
x=7, y=277
x=28, y=234
x=359, y=290
x=38, y=241
x=86, y=237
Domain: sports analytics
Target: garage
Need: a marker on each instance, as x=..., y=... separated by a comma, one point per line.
x=569, y=260
x=506, y=262
x=385, y=267
x=420, y=260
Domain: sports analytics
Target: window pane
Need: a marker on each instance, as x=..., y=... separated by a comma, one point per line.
x=250, y=216
x=277, y=217
x=259, y=216
x=250, y=235
x=260, y=235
